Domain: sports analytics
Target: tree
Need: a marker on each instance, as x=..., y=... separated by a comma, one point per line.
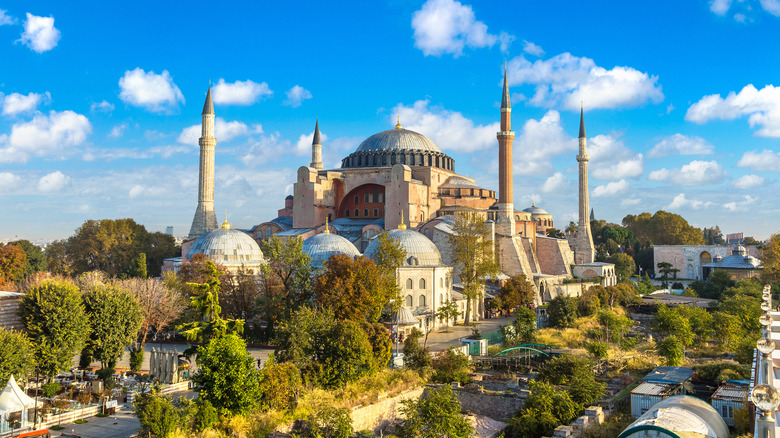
x=665, y=268
x=13, y=263
x=624, y=266
x=114, y=318
x=576, y=373
x=562, y=311
x=671, y=322
x=226, y=375
x=55, y=319
x=451, y=366
x=286, y=280
x=351, y=288
x=672, y=349
x=240, y=292
x=472, y=255
x=16, y=355
x=157, y=415
x=327, y=422
x=713, y=236
x=523, y=329
x=279, y=385
x=435, y=415
x=36, y=258
x=57, y=258
x=517, y=291
x=555, y=233
x=448, y=311
x=545, y=409
x=770, y=258
x=160, y=307
x=381, y=345
x=415, y=356
x=663, y=228
x=139, y=266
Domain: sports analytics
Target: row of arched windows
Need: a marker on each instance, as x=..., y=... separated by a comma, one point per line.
x=410, y=283
x=420, y=301
x=413, y=159
x=365, y=212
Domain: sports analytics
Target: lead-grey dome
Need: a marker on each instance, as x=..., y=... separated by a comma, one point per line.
x=321, y=247
x=397, y=139
x=228, y=247
x=533, y=209
x=420, y=250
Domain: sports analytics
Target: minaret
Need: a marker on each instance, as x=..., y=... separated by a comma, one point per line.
x=583, y=250
x=316, y=148
x=506, y=137
x=205, y=219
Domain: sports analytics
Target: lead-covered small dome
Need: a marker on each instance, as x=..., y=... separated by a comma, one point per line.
x=534, y=210
x=228, y=247
x=420, y=250
x=323, y=246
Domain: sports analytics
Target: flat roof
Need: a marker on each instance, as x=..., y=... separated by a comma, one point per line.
x=669, y=375
x=648, y=388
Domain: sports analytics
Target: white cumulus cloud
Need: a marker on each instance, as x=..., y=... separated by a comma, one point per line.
x=679, y=144
x=449, y=130
x=16, y=103
x=762, y=107
x=611, y=159
x=556, y=183
x=692, y=174
x=742, y=205
x=568, y=80
x=9, y=182
x=720, y=7
x=103, y=106
x=749, y=182
x=303, y=145
x=53, y=182
x=448, y=26
x=681, y=202
x=240, y=92
x=223, y=131
x=45, y=135
x=613, y=188
x=546, y=131
x=154, y=92
x=532, y=49
x=765, y=160
x=39, y=34
x=296, y=95
x=5, y=18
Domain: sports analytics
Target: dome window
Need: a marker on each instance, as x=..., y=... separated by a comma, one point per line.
x=346, y=213
x=413, y=261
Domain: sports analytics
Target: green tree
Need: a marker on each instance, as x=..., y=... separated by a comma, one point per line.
x=55, y=319
x=562, y=311
x=16, y=355
x=286, y=280
x=157, y=415
x=279, y=385
x=576, y=373
x=435, y=415
x=555, y=233
x=389, y=256
x=327, y=422
x=36, y=258
x=663, y=228
x=415, y=356
x=523, y=328
x=770, y=258
x=451, y=366
x=517, y=291
x=381, y=345
x=226, y=375
x=624, y=266
x=472, y=256
x=672, y=349
x=448, y=311
x=13, y=263
x=139, y=266
x=114, y=319
x=352, y=289
x=671, y=322
x=545, y=409
x=665, y=268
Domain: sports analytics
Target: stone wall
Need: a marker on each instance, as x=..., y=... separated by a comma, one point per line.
x=378, y=415
x=687, y=258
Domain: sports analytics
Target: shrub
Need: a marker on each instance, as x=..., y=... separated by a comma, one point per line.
x=451, y=366
x=279, y=384
x=136, y=359
x=415, y=356
x=562, y=312
x=157, y=415
x=207, y=415
x=435, y=415
x=50, y=389
x=327, y=422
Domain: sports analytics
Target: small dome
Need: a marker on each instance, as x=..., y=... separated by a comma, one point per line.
x=420, y=250
x=289, y=197
x=397, y=139
x=533, y=209
x=227, y=247
x=459, y=182
x=321, y=247
x=739, y=250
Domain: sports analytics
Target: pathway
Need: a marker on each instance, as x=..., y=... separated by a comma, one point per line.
x=439, y=341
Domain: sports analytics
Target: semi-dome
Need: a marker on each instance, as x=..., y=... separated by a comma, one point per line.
x=228, y=247
x=321, y=247
x=398, y=146
x=419, y=249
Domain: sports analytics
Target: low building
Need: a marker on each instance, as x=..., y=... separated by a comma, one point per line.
x=690, y=259
x=739, y=265
x=605, y=271
x=660, y=384
x=680, y=416
x=730, y=397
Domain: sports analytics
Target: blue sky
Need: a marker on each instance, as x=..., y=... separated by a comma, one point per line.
x=99, y=102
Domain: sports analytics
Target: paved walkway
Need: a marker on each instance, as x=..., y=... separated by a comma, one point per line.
x=439, y=341
x=121, y=425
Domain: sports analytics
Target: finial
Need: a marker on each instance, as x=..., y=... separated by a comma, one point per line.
x=327, y=230
x=225, y=225
x=209, y=82
x=398, y=125
x=402, y=225
x=533, y=204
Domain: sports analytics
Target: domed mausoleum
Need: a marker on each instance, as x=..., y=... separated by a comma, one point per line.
x=230, y=248
x=323, y=246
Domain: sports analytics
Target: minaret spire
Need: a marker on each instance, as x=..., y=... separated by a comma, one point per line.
x=584, y=251
x=506, y=137
x=205, y=219
x=316, y=147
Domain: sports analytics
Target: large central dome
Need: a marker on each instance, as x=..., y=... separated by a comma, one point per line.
x=398, y=146
x=397, y=139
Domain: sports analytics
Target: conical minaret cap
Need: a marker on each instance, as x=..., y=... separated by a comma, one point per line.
x=506, y=102
x=317, y=139
x=208, y=106
x=582, y=123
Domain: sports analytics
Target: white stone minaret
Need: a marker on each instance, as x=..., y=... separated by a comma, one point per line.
x=506, y=137
x=584, y=251
x=205, y=219
x=316, y=148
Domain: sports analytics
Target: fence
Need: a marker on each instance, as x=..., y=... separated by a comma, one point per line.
x=494, y=337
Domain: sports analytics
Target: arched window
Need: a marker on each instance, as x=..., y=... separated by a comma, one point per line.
x=409, y=302
x=346, y=213
x=413, y=261
x=376, y=212
x=365, y=212
x=427, y=232
x=422, y=283
x=259, y=234
x=269, y=232
x=422, y=301
x=408, y=283
x=357, y=212
x=441, y=282
x=357, y=199
x=447, y=281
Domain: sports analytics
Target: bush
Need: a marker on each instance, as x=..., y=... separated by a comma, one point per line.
x=435, y=415
x=671, y=348
x=713, y=371
x=279, y=384
x=545, y=409
x=327, y=422
x=597, y=349
x=157, y=415
x=50, y=389
x=415, y=356
x=226, y=375
x=451, y=366
x=562, y=312
x=207, y=415
x=677, y=285
x=136, y=359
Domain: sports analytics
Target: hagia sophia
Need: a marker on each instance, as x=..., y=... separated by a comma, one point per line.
x=399, y=181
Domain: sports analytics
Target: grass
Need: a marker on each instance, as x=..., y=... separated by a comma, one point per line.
x=101, y=415
x=81, y=421
x=56, y=427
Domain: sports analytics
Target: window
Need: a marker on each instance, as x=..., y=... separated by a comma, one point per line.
x=422, y=283
x=427, y=232
x=408, y=283
x=367, y=197
x=413, y=261
x=422, y=300
x=357, y=212
x=375, y=195
x=447, y=281
x=376, y=212
x=441, y=299
x=269, y=232
x=409, y=301
x=357, y=199
x=365, y=212
x=441, y=282
x=260, y=235
x=346, y=213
